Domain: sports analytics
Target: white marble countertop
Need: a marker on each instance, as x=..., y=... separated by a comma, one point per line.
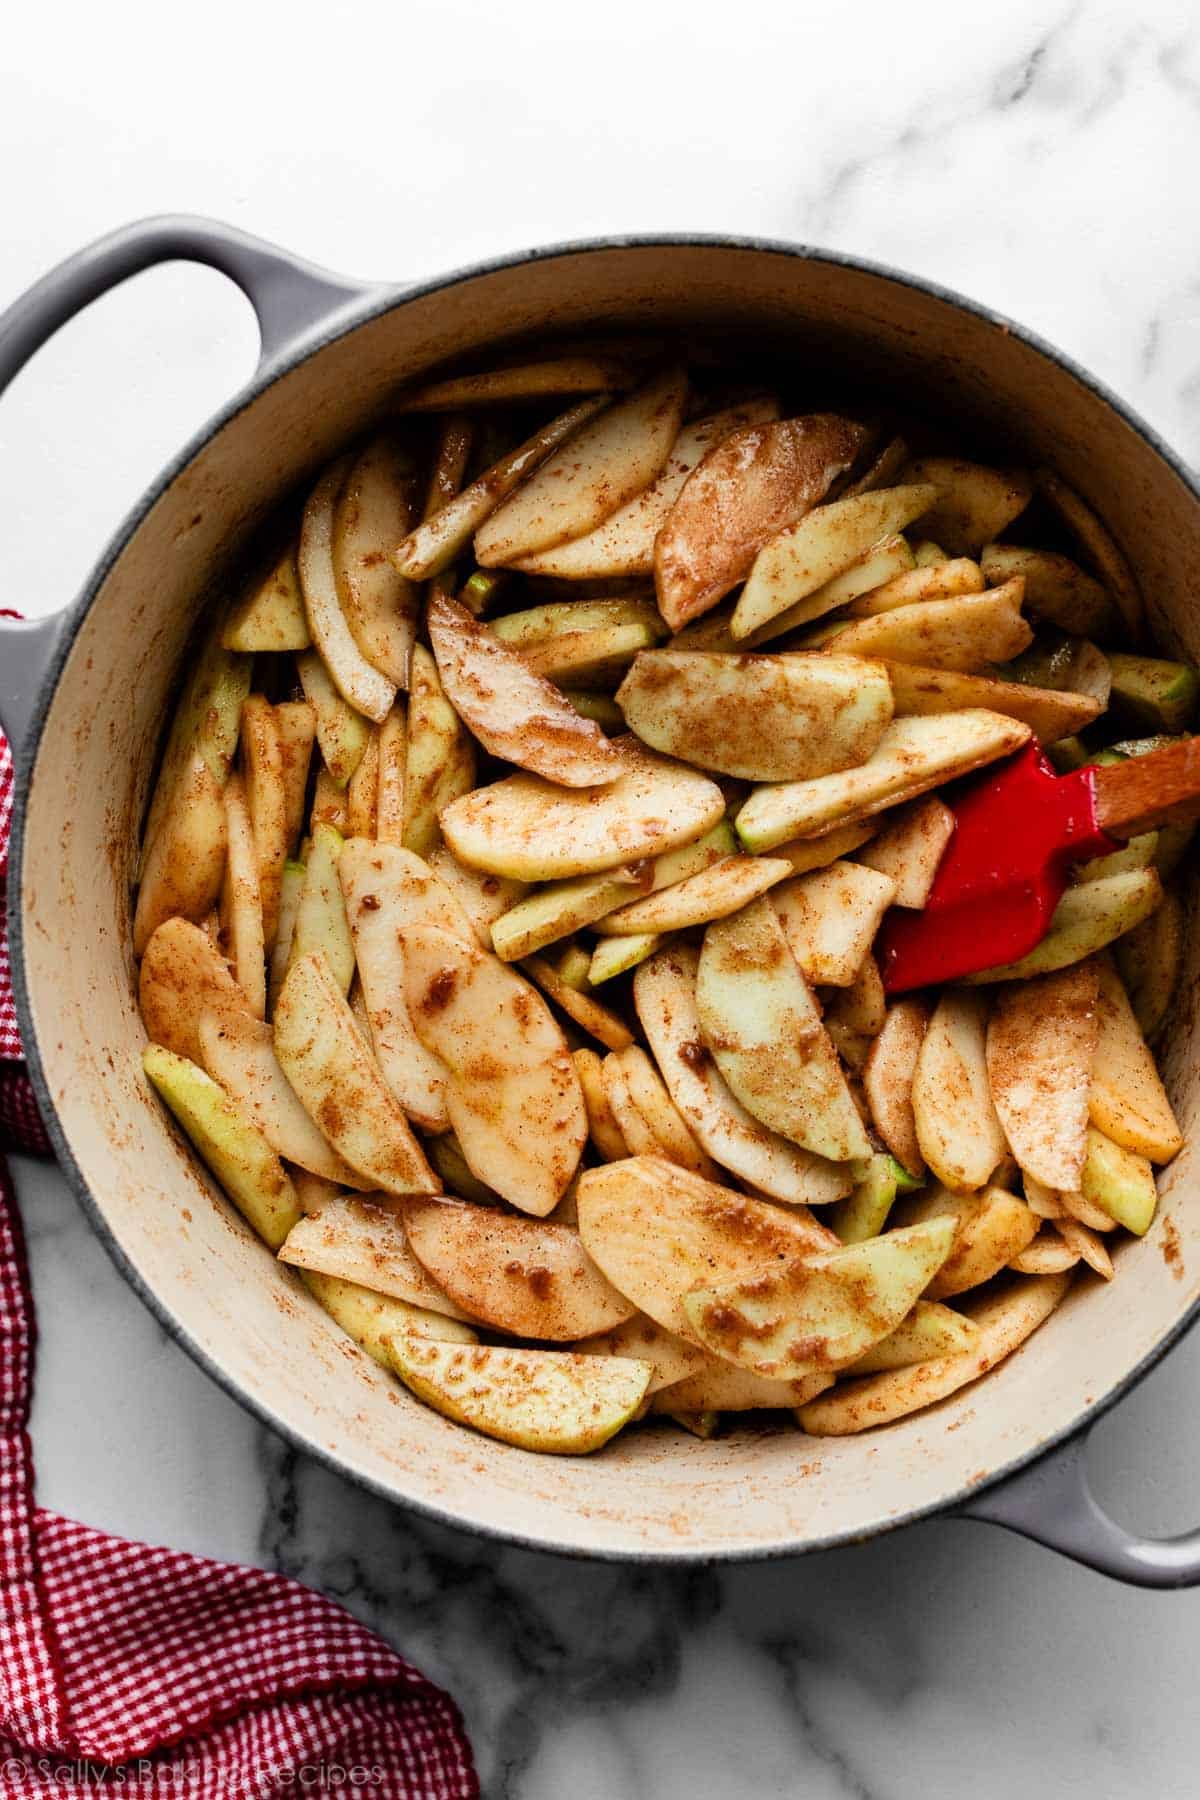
x=1040, y=158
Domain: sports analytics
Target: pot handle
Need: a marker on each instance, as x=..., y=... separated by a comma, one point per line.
x=290, y=297
x=1052, y=1502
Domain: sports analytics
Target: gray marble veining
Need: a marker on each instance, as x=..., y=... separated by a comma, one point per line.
x=1040, y=158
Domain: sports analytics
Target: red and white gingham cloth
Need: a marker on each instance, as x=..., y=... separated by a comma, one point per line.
x=150, y=1672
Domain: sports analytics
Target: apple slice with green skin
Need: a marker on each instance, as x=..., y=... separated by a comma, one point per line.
x=721, y=1387
x=362, y=1240
x=992, y=1227
x=372, y=1319
x=1065, y=665
x=238, y=1052
x=440, y=756
x=325, y=1059
x=270, y=615
x=797, y=564
x=291, y=889
x=1041, y=1041
x=360, y=684
x=968, y=633
x=805, y=854
x=1004, y=1321
x=974, y=504
x=864, y=1213
x=657, y=1230
x=726, y=887
x=762, y=1024
x=516, y=715
x=830, y=918
x=913, y=756
x=1127, y=1102
x=664, y=991
x=553, y=1401
x=1057, y=590
x=378, y=506
x=1119, y=1182
x=386, y=889
x=616, y=956
x=815, y=1316
x=434, y=544
x=206, y=724
x=888, y=1075
x=321, y=922
x=544, y=379
x=528, y=828
x=909, y=849
x=929, y=1331
x=1087, y=918
x=512, y=1094
x=1051, y=714
x=607, y=462
x=183, y=869
x=748, y=488
x=556, y=911
x=624, y=544
x=483, y=897
x=234, y=1149
x=944, y=580
x=445, y=1153
x=565, y=639
x=957, y=1127
x=342, y=732
x=527, y=1277
x=183, y=975
x=671, y=1358
x=763, y=718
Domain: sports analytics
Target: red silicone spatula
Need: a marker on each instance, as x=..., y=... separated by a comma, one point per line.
x=1018, y=830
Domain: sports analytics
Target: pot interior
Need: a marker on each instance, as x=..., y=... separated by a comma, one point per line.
x=657, y=1491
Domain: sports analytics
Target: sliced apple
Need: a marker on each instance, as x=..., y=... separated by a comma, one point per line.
x=234, y=1149
x=815, y=1316
x=1150, y=956
x=321, y=923
x=362, y=793
x=1086, y=919
x=372, y=1319
x=516, y=715
x=624, y=544
x=270, y=614
x=890, y=557
x=359, y=683
x=1048, y=1254
x=714, y=893
x=992, y=1227
x=527, y=1277
x=543, y=379
x=888, y=1076
x=1004, y=1321
x=1128, y=1101
x=910, y=847
x=817, y=853
x=603, y=1128
x=830, y=918
x=183, y=868
x=864, y=1213
x=763, y=1026
x=342, y=732
x=930, y=1330
x=556, y=911
x=607, y=462
x=1049, y=713
x=928, y=581
x=797, y=564
x=385, y=890
x=483, y=897
x=657, y=1230
x=616, y=956
x=339, y=1084
x=764, y=718
x=183, y=975
x=512, y=1095
x=671, y=1359
x=974, y=504
x=579, y=1005
x=291, y=891
x=391, y=774
x=1041, y=1040
x=862, y=1006
x=452, y=516
x=1056, y=590
x=241, y=900
x=1119, y=1182
x=295, y=730
x=584, y=643
x=664, y=991
x=956, y=1123
x=913, y=756
x=967, y=633
x=266, y=805
x=527, y=828
x=440, y=761
x=377, y=507
x=1100, y=548
x=721, y=1387
x=553, y=1401
x=206, y=723
x=647, y=1118
x=329, y=805
x=751, y=486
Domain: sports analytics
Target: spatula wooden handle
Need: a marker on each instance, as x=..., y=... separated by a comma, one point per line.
x=1162, y=788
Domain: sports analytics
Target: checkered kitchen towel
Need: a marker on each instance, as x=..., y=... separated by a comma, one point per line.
x=149, y=1672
